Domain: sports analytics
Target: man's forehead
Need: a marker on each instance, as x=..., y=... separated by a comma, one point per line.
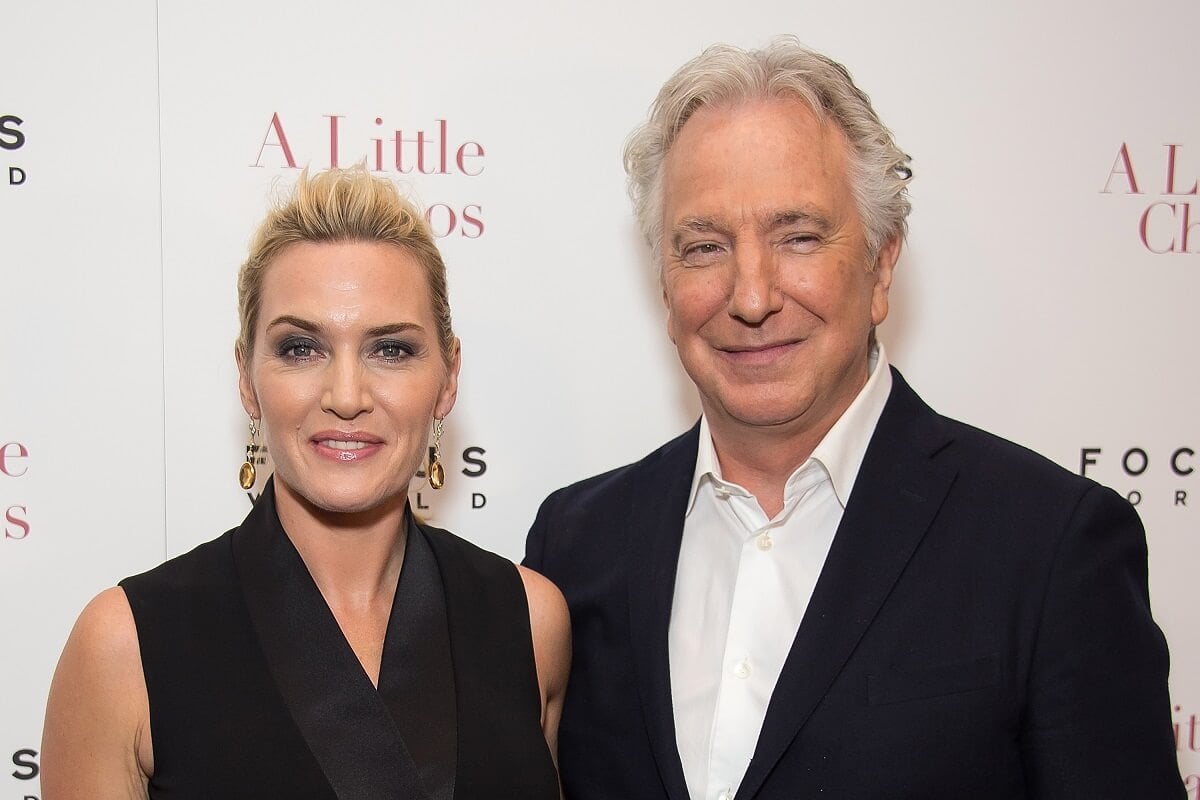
x=769, y=164
x=781, y=135
x=746, y=113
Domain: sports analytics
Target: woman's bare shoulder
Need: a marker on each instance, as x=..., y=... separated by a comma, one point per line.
x=96, y=740
x=547, y=606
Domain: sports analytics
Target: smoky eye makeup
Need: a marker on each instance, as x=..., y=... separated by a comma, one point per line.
x=296, y=348
x=394, y=349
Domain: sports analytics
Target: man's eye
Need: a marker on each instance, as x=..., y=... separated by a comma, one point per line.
x=702, y=253
x=802, y=242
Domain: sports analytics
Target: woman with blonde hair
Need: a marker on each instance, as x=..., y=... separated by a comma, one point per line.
x=332, y=645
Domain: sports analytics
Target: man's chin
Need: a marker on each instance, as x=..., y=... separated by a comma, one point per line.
x=762, y=413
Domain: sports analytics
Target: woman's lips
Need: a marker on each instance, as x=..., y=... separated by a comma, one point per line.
x=344, y=447
x=340, y=445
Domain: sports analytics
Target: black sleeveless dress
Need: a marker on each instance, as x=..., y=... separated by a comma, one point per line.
x=255, y=693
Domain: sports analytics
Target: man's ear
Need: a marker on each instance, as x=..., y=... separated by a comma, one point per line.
x=885, y=265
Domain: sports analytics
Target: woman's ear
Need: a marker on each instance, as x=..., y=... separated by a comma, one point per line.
x=245, y=385
x=450, y=388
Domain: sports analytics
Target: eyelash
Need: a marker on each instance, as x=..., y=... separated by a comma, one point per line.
x=288, y=346
x=406, y=350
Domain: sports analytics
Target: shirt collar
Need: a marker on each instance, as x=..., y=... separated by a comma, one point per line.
x=840, y=452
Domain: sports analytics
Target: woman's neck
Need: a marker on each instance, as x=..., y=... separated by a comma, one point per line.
x=354, y=558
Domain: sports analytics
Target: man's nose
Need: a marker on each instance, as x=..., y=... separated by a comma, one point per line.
x=755, y=294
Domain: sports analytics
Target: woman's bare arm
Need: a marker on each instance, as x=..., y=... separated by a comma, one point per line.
x=96, y=740
x=551, y=625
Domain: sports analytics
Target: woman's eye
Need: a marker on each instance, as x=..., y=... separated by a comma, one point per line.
x=297, y=349
x=394, y=351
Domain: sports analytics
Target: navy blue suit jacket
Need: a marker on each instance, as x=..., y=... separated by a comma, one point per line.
x=981, y=629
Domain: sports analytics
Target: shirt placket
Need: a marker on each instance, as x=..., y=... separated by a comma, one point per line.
x=745, y=688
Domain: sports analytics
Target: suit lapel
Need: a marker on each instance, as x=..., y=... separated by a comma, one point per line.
x=896, y=495
x=659, y=500
x=341, y=716
x=416, y=674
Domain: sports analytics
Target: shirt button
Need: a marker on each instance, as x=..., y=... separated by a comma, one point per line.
x=742, y=670
x=722, y=492
x=764, y=542
x=726, y=794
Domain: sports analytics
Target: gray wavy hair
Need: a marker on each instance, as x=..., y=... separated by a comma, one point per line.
x=725, y=75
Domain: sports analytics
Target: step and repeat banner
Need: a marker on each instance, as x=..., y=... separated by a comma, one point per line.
x=1047, y=292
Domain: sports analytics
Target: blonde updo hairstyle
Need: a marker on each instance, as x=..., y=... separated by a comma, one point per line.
x=342, y=205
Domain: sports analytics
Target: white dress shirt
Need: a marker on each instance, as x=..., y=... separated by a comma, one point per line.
x=742, y=586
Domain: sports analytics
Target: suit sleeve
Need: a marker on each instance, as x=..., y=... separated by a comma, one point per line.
x=535, y=542
x=1098, y=720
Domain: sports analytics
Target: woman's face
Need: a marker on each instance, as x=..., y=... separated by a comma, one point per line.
x=346, y=373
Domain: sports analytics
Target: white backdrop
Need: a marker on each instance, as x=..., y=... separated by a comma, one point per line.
x=1055, y=145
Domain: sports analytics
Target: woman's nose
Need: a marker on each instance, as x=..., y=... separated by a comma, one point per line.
x=347, y=391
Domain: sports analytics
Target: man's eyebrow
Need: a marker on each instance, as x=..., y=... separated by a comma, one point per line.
x=698, y=224
x=792, y=216
x=772, y=221
x=694, y=225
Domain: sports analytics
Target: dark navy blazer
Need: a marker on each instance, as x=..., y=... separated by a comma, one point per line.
x=981, y=629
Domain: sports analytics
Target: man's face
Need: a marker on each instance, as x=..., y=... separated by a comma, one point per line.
x=769, y=286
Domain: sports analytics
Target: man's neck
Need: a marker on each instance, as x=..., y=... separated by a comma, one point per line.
x=761, y=459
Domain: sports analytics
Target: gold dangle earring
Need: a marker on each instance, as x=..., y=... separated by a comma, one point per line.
x=247, y=474
x=437, y=474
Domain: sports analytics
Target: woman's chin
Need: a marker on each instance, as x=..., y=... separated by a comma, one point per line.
x=351, y=499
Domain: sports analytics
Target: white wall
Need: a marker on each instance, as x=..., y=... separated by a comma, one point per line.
x=1026, y=302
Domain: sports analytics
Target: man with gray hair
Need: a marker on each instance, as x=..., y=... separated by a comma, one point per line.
x=824, y=588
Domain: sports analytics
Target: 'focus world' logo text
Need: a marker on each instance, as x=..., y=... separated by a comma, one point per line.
x=418, y=152
x=12, y=138
x=25, y=763
x=1170, y=222
x=473, y=465
x=14, y=464
x=1133, y=471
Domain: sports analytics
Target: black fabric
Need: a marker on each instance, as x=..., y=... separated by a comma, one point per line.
x=254, y=692
x=319, y=676
x=416, y=679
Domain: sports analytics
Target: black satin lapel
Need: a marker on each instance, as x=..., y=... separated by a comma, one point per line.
x=656, y=531
x=338, y=711
x=416, y=678
x=898, y=492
